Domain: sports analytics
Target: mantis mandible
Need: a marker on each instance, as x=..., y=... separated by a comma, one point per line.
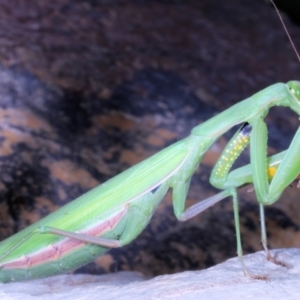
x=114, y=213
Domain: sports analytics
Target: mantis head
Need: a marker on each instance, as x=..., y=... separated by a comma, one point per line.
x=294, y=88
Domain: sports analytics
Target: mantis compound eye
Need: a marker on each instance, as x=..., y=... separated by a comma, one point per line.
x=294, y=88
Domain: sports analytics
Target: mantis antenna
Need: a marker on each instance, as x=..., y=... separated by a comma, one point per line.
x=285, y=29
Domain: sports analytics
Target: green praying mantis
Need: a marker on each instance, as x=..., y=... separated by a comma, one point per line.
x=114, y=213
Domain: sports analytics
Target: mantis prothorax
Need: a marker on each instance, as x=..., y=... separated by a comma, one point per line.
x=114, y=213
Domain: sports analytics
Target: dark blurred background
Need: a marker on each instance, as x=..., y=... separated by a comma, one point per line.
x=89, y=88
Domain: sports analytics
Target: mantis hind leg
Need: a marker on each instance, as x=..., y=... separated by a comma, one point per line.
x=135, y=220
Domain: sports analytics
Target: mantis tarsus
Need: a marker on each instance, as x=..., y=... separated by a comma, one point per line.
x=114, y=213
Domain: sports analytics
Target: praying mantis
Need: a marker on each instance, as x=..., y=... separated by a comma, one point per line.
x=114, y=213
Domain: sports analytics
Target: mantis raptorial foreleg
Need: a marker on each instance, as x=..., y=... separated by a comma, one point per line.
x=267, y=190
x=230, y=181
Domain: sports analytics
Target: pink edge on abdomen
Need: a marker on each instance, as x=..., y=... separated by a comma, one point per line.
x=59, y=249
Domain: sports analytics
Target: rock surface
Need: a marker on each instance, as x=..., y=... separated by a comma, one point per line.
x=213, y=283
